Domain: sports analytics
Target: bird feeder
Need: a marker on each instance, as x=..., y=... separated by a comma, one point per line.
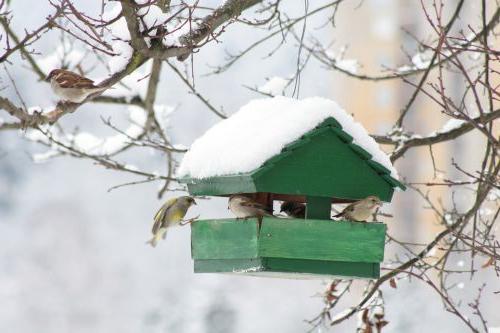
x=318, y=163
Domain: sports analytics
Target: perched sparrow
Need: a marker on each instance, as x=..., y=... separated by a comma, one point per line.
x=294, y=209
x=244, y=207
x=360, y=210
x=169, y=215
x=72, y=87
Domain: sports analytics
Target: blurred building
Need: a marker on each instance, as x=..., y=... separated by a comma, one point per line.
x=385, y=39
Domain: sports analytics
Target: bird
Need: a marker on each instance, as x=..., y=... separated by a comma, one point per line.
x=72, y=87
x=294, y=209
x=169, y=215
x=361, y=210
x=244, y=207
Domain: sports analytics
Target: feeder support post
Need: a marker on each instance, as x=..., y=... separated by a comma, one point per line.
x=318, y=208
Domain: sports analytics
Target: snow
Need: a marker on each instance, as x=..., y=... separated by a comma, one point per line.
x=432, y=252
x=261, y=129
x=485, y=212
x=451, y=125
x=118, y=28
x=274, y=86
x=405, y=69
x=422, y=60
x=121, y=35
x=348, y=65
x=162, y=115
x=248, y=270
x=44, y=157
x=137, y=115
x=494, y=329
x=341, y=314
x=36, y=135
x=449, y=219
x=124, y=53
x=88, y=143
x=132, y=85
x=64, y=52
x=43, y=110
x=152, y=15
x=494, y=194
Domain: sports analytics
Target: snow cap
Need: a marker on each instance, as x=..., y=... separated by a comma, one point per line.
x=261, y=129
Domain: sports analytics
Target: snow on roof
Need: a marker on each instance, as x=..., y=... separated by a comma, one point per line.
x=261, y=129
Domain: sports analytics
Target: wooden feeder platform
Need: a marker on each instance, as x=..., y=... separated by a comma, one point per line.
x=293, y=248
x=323, y=166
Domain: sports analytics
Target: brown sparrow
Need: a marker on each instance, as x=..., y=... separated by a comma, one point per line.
x=294, y=209
x=361, y=210
x=72, y=87
x=244, y=207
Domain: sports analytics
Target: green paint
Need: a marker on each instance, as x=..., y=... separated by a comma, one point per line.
x=224, y=239
x=228, y=265
x=322, y=239
x=288, y=245
x=336, y=268
x=288, y=268
x=318, y=208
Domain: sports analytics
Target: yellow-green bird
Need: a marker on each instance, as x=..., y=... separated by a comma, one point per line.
x=169, y=215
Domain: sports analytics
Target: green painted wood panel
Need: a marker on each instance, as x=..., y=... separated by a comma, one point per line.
x=224, y=185
x=360, y=151
x=224, y=239
x=228, y=265
x=326, y=167
x=288, y=247
x=322, y=240
x=336, y=268
x=288, y=238
x=288, y=268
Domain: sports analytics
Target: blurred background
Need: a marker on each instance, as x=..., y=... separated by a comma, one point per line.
x=73, y=256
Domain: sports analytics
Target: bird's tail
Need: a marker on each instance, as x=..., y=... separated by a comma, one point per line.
x=153, y=241
x=160, y=234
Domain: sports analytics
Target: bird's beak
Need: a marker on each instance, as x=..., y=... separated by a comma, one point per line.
x=47, y=79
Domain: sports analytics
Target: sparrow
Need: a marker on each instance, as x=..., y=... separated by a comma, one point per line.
x=169, y=215
x=361, y=210
x=244, y=207
x=72, y=87
x=293, y=209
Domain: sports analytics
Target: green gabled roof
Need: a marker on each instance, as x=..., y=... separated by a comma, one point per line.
x=323, y=162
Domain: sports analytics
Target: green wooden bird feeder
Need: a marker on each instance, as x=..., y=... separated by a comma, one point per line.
x=318, y=164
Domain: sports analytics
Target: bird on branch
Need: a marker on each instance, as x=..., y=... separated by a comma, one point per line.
x=71, y=87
